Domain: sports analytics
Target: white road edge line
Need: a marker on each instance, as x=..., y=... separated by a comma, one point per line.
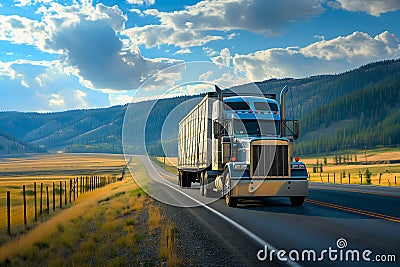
x=250, y=234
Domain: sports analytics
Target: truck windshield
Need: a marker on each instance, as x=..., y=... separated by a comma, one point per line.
x=256, y=127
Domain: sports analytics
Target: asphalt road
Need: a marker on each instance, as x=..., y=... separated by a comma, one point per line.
x=337, y=224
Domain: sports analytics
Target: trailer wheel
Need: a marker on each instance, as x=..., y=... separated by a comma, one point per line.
x=202, y=184
x=230, y=201
x=297, y=201
x=180, y=178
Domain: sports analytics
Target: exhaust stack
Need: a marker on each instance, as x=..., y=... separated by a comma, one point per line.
x=282, y=97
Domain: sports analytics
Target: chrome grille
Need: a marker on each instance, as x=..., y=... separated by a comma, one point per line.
x=270, y=161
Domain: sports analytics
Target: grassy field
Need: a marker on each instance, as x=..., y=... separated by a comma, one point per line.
x=46, y=169
x=378, y=162
x=116, y=225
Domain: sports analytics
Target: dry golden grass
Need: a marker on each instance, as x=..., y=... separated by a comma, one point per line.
x=382, y=174
x=170, y=161
x=155, y=219
x=60, y=164
x=82, y=206
x=100, y=229
x=47, y=168
x=167, y=249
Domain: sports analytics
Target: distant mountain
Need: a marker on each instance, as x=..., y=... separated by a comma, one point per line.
x=10, y=145
x=327, y=105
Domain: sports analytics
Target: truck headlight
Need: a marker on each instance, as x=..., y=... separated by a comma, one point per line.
x=240, y=167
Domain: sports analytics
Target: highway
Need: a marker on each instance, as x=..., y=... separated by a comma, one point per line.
x=337, y=224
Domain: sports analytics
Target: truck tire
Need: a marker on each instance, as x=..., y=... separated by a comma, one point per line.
x=297, y=201
x=202, y=183
x=186, y=179
x=229, y=200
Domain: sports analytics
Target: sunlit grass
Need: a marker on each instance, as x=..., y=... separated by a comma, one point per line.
x=99, y=230
x=377, y=160
x=169, y=167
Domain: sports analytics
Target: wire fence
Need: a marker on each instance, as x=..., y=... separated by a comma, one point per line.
x=385, y=179
x=31, y=202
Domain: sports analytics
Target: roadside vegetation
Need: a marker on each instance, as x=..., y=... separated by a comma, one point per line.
x=376, y=167
x=117, y=225
x=168, y=164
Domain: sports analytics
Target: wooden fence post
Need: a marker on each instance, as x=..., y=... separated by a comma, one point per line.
x=328, y=177
x=70, y=190
x=395, y=180
x=361, y=178
x=41, y=198
x=54, y=198
x=349, y=179
x=380, y=176
x=8, y=213
x=48, y=200
x=35, y=200
x=74, y=183
x=334, y=178
x=60, y=194
x=65, y=193
x=24, y=194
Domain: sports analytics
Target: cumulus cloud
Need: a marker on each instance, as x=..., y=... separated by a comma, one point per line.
x=87, y=38
x=258, y=16
x=183, y=51
x=372, y=7
x=201, y=23
x=141, y=2
x=325, y=56
x=156, y=35
x=223, y=58
x=57, y=101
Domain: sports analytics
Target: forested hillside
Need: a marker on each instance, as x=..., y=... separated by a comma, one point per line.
x=10, y=145
x=350, y=110
x=365, y=118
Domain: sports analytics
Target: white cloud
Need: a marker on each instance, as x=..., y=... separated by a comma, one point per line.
x=372, y=7
x=325, y=56
x=57, y=101
x=183, y=51
x=119, y=99
x=209, y=51
x=258, y=16
x=156, y=35
x=206, y=75
x=86, y=37
x=24, y=84
x=80, y=98
x=141, y=2
x=223, y=58
x=22, y=3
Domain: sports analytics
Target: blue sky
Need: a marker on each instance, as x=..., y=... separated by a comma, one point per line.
x=60, y=55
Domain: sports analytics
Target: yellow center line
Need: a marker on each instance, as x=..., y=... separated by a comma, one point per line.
x=353, y=210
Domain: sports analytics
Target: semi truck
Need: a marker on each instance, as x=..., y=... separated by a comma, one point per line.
x=240, y=146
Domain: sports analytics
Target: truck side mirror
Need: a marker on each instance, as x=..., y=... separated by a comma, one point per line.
x=296, y=130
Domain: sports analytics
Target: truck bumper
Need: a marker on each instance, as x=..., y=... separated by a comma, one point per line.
x=268, y=188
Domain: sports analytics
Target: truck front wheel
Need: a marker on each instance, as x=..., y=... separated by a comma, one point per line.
x=230, y=201
x=297, y=201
